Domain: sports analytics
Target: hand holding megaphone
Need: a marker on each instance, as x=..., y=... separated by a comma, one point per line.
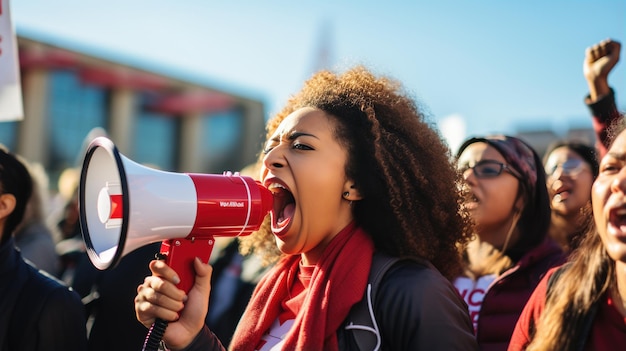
x=124, y=205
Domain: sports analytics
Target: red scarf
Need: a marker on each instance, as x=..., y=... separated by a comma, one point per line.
x=338, y=282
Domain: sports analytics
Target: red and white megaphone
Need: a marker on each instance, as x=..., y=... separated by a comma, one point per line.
x=124, y=205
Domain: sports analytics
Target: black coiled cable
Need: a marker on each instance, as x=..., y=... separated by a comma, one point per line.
x=155, y=335
x=156, y=331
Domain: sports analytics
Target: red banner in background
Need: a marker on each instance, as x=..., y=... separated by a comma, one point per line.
x=11, y=108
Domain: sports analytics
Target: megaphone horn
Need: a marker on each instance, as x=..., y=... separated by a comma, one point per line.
x=124, y=205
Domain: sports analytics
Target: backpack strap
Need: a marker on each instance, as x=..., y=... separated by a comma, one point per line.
x=361, y=320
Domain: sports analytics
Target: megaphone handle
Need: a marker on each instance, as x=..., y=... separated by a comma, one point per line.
x=178, y=254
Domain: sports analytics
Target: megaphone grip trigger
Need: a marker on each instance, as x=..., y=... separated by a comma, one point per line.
x=179, y=255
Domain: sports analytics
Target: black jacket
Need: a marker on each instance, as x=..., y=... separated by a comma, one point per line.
x=37, y=312
x=416, y=308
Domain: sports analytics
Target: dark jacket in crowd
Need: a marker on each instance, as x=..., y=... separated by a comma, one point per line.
x=109, y=300
x=37, y=311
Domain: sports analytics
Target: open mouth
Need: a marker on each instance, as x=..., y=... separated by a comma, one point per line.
x=471, y=201
x=562, y=194
x=284, y=207
x=617, y=219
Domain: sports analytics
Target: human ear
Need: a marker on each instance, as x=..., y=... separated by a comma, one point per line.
x=7, y=205
x=351, y=192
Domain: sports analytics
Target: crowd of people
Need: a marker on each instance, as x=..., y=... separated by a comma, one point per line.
x=380, y=237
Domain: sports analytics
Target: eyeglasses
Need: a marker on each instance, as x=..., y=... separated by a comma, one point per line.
x=489, y=169
x=571, y=168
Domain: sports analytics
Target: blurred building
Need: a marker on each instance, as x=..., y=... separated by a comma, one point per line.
x=541, y=138
x=154, y=118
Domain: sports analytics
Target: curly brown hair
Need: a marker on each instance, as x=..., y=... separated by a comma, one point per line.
x=399, y=163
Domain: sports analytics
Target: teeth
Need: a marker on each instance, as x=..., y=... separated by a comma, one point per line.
x=275, y=186
x=621, y=212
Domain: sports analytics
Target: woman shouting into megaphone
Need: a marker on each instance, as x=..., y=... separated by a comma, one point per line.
x=362, y=184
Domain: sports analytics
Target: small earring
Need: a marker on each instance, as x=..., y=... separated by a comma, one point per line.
x=346, y=194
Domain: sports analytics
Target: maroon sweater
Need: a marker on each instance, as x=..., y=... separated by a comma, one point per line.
x=508, y=294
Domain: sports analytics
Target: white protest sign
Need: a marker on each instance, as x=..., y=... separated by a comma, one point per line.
x=11, y=108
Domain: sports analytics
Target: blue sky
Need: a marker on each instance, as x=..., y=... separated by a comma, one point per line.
x=495, y=65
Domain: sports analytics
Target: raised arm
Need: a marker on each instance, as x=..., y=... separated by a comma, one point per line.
x=599, y=60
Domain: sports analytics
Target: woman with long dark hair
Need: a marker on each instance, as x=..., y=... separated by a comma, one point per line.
x=582, y=305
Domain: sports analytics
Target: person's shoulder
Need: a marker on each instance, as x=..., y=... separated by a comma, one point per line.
x=418, y=268
x=418, y=307
x=544, y=256
x=415, y=277
x=49, y=298
x=539, y=294
x=48, y=286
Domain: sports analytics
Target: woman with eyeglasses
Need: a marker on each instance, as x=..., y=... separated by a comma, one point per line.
x=571, y=167
x=506, y=195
